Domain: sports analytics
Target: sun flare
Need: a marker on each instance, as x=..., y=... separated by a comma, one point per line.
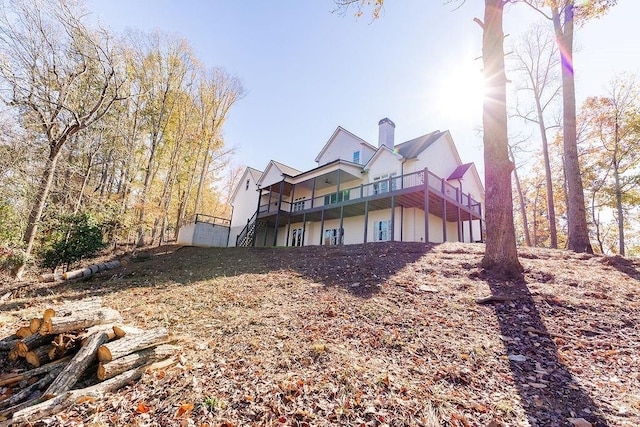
x=460, y=90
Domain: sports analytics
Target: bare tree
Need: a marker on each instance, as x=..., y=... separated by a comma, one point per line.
x=537, y=63
x=60, y=74
x=563, y=14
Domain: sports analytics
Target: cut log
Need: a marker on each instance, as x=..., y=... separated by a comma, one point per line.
x=58, y=325
x=71, y=307
x=26, y=392
x=48, y=314
x=9, y=343
x=63, y=400
x=34, y=341
x=77, y=365
x=131, y=343
x=23, y=332
x=13, y=355
x=107, y=328
x=34, y=325
x=34, y=372
x=133, y=360
x=38, y=356
x=63, y=344
x=123, y=330
x=50, y=277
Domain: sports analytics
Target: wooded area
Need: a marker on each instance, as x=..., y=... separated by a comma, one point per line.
x=125, y=129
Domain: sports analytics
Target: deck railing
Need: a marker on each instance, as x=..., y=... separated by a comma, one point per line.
x=379, y=187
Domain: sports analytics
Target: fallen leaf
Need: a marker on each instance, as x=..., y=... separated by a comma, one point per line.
x=185, y=408
x=142, y=408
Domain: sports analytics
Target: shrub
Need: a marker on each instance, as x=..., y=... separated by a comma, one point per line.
x=75, y=237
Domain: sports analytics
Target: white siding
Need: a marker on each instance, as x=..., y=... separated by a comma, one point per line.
x=342, y=147
x=244, y=205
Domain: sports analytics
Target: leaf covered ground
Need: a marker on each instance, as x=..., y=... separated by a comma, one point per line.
x=368, y=335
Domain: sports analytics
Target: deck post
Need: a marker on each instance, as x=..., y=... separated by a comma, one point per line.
x=393, y=217
x=322, y=227
x=459, y=218
x=255, y=227
x=470, y=221
x=426, y=204
x=275, y=228
x=480, y=215
x=304, y=227
x=444, y=210
x=293, y=192
x=341, y=234
x=313, y=191
x=366, y=219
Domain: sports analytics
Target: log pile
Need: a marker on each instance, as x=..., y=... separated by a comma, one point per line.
x=82, y=345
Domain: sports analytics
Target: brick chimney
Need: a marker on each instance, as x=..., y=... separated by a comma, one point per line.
x=386, y=133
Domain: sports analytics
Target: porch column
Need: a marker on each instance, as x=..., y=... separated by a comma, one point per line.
x=444, y=211
x=426, y=205
x=470, y=221
x=322, y=227
x=341, y=234
x=393, y=217
x=293, y=192
x=313, y=191
x=255, y=227
x=304, y=227
x=366, y=219
x=269, y=202
x=275, y=228
x=459, y=218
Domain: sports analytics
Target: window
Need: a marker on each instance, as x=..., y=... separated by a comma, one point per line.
x=247, y=186
x=333, y=198
x=381, y=231
x=356, y=157
x=298, y=206
x=297, y=238
x=333, y=236
x=381, y=183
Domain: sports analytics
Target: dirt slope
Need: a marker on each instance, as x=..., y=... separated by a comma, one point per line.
x=370, y=335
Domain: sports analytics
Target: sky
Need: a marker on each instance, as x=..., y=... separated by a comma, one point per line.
x=307, y=70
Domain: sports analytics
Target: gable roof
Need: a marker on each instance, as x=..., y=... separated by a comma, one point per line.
x=281, y=167
x=460, y=171
x=253, y=174
x=378, y=153
x=333, y=136
x=410, y=149
x=287, y=170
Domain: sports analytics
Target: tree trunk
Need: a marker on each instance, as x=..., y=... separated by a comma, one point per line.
x=551, y=210
x=38, y=205
x=203, y=175
x=501, y=255
x=576, y=211
x=523, y=208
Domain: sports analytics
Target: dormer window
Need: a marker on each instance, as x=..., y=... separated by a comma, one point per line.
x=356, y=157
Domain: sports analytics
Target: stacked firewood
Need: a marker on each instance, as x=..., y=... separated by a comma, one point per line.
x=77, y=343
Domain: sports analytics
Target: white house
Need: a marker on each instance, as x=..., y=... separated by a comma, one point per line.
x=416, y=191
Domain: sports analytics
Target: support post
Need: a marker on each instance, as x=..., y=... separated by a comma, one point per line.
x=444, y=211
x=293, y=192
x=255, y=226
x=426, y=205
x=470, y=221
x=322, y=227
x=304, y=227
x=459, y=218
x=480, y=215
x=340, y=235
x=366, y=219
x=393, y=217
x=313, y=192
x=275, y=228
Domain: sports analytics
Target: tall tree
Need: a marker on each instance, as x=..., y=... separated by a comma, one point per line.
x=612, y=131
x=537, y=63
x=62, y=75
x=501, y=254
x=564, y=14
